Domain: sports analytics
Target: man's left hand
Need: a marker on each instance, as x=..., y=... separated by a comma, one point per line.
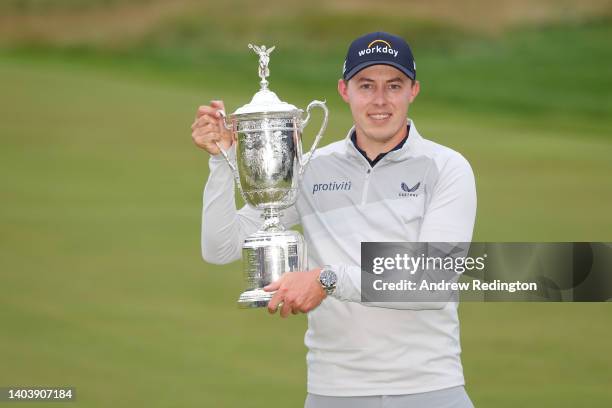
x=297, y=291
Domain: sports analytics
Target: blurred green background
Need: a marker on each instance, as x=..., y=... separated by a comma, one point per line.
x=101, y=282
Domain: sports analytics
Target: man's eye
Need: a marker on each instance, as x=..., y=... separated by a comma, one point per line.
x=365, y=86
x=395, y=86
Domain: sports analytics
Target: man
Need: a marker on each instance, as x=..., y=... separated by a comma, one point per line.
x=361, y=354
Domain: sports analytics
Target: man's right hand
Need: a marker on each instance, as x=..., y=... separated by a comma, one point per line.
x=208, y=128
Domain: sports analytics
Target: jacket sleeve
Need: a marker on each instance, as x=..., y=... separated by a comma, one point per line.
x=449, y=217
x=451, y=211
x=224, y=228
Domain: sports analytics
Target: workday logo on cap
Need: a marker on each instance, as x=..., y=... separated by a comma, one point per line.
x=379, y=48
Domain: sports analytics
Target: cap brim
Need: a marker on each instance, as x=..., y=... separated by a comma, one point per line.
x=366, y=64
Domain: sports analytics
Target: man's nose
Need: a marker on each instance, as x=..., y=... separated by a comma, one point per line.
x=380, y=98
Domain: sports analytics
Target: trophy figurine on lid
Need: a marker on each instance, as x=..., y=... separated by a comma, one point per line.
x=269, y=165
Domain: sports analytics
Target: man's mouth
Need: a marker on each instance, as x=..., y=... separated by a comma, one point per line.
x=379, y=116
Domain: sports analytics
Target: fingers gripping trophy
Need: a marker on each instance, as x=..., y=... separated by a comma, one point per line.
x=268, y=168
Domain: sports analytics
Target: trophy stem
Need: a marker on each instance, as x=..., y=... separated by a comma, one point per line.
x=272, y=220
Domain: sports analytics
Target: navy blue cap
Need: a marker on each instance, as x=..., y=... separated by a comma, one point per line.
x=379, y=48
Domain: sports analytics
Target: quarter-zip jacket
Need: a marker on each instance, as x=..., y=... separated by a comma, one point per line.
x=422, y=192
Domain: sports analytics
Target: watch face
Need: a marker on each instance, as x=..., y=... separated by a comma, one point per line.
x=328, y=278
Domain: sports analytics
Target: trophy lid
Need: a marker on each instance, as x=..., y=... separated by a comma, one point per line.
x=265, y=100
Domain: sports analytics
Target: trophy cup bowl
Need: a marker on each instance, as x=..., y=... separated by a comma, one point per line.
x=266, y=153
x=268, y=169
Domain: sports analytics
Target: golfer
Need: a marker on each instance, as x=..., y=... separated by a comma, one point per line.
x=383, y=182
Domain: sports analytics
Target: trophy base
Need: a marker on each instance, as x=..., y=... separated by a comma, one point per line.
x=254, y=298
x=267, y=255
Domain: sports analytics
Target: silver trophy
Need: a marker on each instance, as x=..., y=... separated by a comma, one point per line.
x=269, y=165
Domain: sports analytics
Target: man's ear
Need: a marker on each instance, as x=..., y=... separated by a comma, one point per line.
x=414, y=90
x=343, y=89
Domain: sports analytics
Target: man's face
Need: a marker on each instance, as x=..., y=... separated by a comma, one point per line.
x=379, y=97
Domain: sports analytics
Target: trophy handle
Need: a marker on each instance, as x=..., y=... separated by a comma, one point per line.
x=224, y=117
x=223, y=152
x=233, y=166
x=304, y=162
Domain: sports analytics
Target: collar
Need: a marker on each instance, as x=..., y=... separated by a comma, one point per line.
x=401, y=151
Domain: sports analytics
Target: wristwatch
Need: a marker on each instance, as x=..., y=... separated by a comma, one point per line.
x=328, y=279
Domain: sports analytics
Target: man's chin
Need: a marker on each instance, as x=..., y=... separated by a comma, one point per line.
x=379, y=135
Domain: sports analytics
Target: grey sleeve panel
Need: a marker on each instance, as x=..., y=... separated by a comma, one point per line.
x=451, y=210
